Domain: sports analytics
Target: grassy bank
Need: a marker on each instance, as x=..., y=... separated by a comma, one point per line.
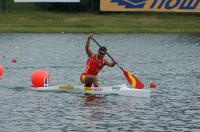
x=116, y=23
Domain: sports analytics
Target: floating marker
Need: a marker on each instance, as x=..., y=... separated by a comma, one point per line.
x=14, y=60
x=152, y=85
x=2, y=57
x=1, y=72
x=40, y=78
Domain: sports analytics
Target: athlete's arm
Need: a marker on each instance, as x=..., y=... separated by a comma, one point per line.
x=110, y=64
x=87, y=46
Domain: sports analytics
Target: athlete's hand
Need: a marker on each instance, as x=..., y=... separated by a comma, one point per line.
x=115, y=62
x=90, y=35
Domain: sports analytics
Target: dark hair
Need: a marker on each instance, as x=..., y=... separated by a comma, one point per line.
x=103, y=49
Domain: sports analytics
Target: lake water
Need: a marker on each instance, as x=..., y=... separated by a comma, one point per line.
x=172, y=61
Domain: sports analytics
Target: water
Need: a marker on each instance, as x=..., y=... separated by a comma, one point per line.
x=172, y=61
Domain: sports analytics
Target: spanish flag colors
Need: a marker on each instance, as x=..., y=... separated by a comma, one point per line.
x=135, y=83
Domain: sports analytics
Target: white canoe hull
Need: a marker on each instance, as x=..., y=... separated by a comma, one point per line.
x=119, y=90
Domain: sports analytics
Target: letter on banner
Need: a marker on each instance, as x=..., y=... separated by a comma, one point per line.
x=151, y=5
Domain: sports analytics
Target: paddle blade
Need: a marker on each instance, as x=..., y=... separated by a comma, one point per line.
x=132, y=80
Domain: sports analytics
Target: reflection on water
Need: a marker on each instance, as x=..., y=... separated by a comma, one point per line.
x=92, y=100
x=172, y=61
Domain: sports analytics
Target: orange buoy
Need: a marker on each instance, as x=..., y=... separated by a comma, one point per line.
x=14, y=60
x=1, y=71
x=40, y=78
x=152, y=85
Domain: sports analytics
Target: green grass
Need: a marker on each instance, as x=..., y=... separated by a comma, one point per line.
x=36, y=22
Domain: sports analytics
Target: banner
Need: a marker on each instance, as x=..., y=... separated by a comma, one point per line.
x=47, y=0
x=151, y=5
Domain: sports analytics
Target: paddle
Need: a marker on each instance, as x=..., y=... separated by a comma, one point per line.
x=132, y=80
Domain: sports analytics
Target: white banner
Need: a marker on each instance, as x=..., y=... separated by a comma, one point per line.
x=47, y=0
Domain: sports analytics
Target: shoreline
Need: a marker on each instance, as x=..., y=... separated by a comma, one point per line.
x=54, y=22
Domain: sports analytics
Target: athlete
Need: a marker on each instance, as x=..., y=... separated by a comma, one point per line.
x=94, y=64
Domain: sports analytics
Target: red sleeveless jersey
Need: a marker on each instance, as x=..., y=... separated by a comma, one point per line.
x=93, y=65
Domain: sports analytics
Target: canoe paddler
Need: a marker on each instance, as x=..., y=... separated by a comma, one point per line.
x=95, y=62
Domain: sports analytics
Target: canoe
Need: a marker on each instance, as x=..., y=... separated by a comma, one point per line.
x=118, y=90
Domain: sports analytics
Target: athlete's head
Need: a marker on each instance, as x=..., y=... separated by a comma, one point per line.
x=102, y=51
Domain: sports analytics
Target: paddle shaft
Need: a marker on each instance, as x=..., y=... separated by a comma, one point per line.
x=135, y=83
x=107, y=53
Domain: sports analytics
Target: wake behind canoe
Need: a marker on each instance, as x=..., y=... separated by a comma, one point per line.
x=118, y=89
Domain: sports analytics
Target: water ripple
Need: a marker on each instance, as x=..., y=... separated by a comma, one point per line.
x=172, y=61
